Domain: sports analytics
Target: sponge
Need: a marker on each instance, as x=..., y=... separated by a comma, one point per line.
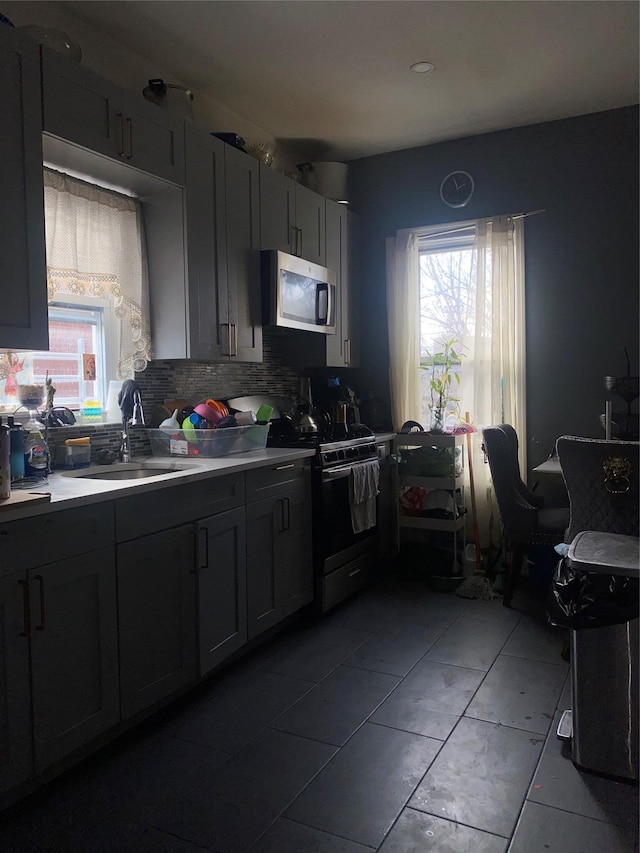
x=264, y=413
x=82, y=441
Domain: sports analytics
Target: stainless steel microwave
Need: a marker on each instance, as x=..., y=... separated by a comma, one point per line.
x=298, y=294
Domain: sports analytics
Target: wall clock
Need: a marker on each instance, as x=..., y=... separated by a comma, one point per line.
x=457, y=188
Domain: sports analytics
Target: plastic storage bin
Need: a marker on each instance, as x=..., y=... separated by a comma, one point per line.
x=208, y=443
x=73, y=456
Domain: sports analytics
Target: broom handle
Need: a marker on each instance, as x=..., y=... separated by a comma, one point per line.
x=474, y=516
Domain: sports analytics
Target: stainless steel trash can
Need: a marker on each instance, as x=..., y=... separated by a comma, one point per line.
x=604, y=684
x=604, y=668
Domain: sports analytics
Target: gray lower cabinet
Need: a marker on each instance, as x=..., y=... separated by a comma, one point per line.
x=16, y=756
x=156, y=609
x=82, y=107
x=23, y=318
x=221, y=565
x=59, y=662
x=74, y=653
x=279, y=559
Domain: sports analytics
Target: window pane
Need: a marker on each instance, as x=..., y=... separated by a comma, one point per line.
x=73, y=330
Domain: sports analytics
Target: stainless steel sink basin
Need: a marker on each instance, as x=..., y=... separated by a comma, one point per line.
x=128, y=471
x=132, y=474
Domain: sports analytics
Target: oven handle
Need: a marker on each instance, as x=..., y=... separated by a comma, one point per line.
x=341, y=471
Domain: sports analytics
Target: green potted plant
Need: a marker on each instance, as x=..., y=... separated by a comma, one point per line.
x=444, y=366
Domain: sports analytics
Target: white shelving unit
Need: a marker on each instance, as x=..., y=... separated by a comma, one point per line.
x=413, y=466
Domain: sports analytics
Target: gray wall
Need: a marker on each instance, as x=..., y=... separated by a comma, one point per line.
x=581, y=254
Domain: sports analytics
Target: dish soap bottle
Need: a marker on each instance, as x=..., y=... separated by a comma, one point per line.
x=36, y=452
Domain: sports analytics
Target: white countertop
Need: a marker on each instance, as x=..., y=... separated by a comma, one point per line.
x=69, y=491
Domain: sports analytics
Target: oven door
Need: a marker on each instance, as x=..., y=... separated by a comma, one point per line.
x=335, y=543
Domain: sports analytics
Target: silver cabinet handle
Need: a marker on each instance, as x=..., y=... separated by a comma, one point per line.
x=347, y=351
x=203, y=540
x=40, y=580
x=284, y=467
x=121, y=153
x=129, y=123
x=234, y=339
x=287, y=525
x=355, y=572
x=26, y=610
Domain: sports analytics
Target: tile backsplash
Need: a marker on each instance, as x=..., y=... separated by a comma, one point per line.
x=169, y=380
x=193, y=380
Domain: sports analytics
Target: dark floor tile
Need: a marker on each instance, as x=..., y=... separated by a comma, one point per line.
x=388, y=654
x=122, y=783
x=239, y=803
x=430, y=700
x=493, y=611
x=229, y=721
x=362, y=790
x=336, y=707
x=473, y=643
x=542, y=828
x=520, y=693
x=287, y=836
x=535, y=640
x=558, y=782
x=433, y=609
x=480, y=776
x=313, y=653
x=365, y=612
x=416, y=832
x=399, y=628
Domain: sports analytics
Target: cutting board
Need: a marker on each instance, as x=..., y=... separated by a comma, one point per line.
x=22, y=499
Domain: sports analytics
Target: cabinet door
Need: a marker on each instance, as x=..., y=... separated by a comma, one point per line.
x=156, y=608
x=265, y=523
x=153, y=139
x=353, y=291
x=74, y=653
x=206, y=246
x=338, y=344
x=15, y=689
x=310, y=222
x=294, y=571
x=23, y=318
x=80, y=106
x=222, y=587
x=244, y=331
x=277, y=211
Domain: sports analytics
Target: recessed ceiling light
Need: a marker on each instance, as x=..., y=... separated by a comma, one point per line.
x=422, y=67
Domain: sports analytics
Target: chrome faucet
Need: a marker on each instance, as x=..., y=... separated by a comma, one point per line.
x=132, y=415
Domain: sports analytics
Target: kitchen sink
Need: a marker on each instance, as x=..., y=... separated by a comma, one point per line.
x=128, y=471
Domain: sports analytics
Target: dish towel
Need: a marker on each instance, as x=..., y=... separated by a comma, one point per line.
x=363, y=488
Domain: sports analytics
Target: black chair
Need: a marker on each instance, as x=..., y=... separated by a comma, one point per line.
x=525, y=521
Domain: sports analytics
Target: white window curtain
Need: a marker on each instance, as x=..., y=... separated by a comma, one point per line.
x=96, y=247
x=493, y=373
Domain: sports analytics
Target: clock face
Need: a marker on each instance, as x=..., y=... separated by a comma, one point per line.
x=456, y=189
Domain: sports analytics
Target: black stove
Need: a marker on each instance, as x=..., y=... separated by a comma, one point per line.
x=358, y=444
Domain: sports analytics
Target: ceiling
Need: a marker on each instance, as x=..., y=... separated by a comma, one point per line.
x=332, y=76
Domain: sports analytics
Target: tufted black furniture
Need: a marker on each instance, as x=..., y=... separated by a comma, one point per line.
x=524, y=523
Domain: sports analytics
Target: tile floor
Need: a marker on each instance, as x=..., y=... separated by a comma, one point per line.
x=404, y=721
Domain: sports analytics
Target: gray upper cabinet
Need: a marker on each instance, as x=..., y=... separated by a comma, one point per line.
x=82, y=107
x=207, y=295
x=23, y=280
x=343, y=348
x=292, y=217
x=242, y=203
x=213, y=310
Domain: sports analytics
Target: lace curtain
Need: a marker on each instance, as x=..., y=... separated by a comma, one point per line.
x=96, y=248
x=493, y=375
